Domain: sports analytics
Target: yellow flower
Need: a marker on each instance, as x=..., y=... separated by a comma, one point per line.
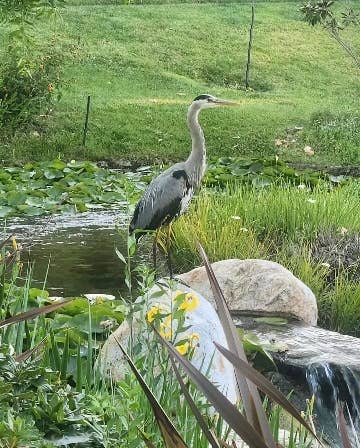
x=14, y=243
x=194, y=339
x=165, y=332
x=183, y=348
x=152, y=313
x=190, y=303
x=165, y=327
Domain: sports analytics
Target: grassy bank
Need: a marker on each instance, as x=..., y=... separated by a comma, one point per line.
x=314, y=233
x=142, y=65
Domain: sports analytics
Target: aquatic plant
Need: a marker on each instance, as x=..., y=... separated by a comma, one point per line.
x=56, y=186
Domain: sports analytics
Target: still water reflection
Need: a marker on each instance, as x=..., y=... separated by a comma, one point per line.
x=78, y=248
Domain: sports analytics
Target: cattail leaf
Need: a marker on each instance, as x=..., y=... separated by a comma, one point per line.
x=343, y=429
x=171, y=437
x=265, y=385
x=200, y=419
x=226, y=409
x=55, y=352
x=248, y=392
x=33, y=313
x=65, y=358
x=79, y=378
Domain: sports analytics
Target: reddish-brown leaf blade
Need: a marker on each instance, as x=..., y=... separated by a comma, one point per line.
x=34, y=312
x=249, y=394
x=26, y=355
x=354, y=432
x=265, y=385
x=172, y=438
x=343, y=429
x=200, y=419
x=225, y=408
x=146, y=440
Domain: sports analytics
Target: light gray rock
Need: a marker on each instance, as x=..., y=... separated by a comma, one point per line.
x=261, y=286
x=202, y=321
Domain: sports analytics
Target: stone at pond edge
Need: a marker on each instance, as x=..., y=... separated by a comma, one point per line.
x=258, y=286
x=202, y=320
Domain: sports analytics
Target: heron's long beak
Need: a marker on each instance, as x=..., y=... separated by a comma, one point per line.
x=220, y=102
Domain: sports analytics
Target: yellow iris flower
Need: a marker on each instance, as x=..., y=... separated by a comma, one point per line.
x=14, y=243
x=165, y=327
x=190, y=303
x=152, y=313
x=194, y=339
x=183, y=348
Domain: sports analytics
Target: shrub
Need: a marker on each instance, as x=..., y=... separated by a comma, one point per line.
x=28, y=74
x=28, y=88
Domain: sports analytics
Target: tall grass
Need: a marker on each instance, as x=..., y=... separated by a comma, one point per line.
x=279, y=213
x=279, y=224
x=340, y=306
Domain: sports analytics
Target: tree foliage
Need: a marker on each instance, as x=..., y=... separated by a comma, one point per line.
x=321, y=12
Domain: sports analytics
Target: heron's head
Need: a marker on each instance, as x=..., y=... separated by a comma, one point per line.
x=206, y=101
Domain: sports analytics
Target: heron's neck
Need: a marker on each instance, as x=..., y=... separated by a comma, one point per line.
x=196, y=162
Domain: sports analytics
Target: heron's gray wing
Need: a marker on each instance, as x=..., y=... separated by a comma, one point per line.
x=162, y=200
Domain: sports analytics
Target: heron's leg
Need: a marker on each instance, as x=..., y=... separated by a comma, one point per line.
x=155, y=247
x=168, y=249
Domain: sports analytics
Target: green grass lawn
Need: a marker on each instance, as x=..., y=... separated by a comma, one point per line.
x=143, y=64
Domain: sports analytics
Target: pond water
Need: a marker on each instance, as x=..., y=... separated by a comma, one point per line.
x=76, y=252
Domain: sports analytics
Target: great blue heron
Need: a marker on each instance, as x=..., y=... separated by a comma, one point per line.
x=169, y=194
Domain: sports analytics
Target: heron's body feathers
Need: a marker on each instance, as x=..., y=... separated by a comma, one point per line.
x=167, y=196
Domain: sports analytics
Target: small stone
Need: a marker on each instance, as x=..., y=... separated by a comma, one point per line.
x=309, y=151
x=94, y=298
x=343, y=230
x=55, y=298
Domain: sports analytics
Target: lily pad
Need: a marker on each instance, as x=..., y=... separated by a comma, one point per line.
x=271, y=320
x=5, y=211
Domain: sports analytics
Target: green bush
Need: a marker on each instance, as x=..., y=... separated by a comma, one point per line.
x=28, y=88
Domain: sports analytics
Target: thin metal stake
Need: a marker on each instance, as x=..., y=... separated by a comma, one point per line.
x=247, y=74
x=86, y=120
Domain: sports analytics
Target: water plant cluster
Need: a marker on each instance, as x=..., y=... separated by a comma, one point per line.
x=52, y=393
x=47, y=358
x=263, y=172
x=56, y=186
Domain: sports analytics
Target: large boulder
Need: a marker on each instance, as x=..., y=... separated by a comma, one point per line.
x=258, y=286
x=202, y=326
